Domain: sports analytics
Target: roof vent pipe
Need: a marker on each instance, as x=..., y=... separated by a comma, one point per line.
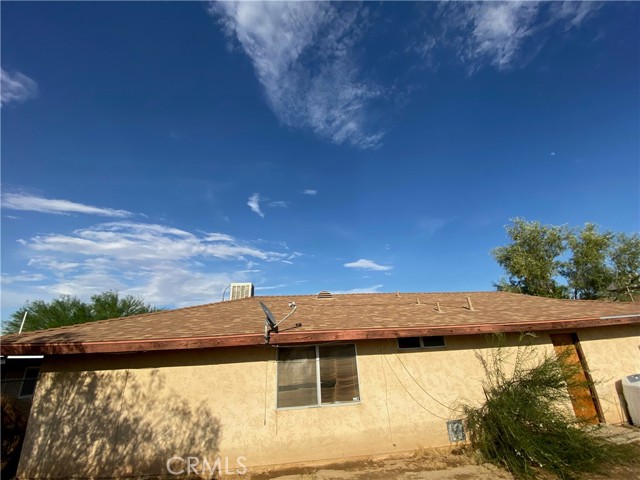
x=469, y=304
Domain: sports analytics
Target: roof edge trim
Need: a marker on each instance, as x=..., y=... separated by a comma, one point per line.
x=290, y=338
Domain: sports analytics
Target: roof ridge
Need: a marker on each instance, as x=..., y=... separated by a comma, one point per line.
x=385, y=293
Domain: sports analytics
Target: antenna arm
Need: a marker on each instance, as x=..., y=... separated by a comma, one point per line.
x=295, y=307
x=267, y=334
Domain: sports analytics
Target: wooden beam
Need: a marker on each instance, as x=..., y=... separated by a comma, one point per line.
x=124, y=346
x=399, y=332
x=298, y=337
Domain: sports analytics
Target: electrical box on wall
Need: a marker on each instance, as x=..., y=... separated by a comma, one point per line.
x=456, y=431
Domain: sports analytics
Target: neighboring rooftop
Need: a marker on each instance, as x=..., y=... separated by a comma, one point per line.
x=324, y=318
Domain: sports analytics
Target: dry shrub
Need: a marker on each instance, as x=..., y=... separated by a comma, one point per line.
x=524, y=424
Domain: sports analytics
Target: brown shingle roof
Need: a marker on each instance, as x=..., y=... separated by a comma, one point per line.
x=343, y=317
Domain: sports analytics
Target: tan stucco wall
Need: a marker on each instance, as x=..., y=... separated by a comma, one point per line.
x=611, y=354
x=127, y=414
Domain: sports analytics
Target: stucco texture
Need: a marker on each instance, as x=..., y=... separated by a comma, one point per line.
x=119, y=415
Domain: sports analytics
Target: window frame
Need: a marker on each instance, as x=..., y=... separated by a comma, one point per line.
x=318, y=379
x=25, y=378
x=422, y=345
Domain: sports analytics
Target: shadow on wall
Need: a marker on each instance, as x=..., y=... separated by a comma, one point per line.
x=113, y=423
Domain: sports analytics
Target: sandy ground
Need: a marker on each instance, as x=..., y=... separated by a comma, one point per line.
x=429, y=464
x=420, y=469
x=441, y=464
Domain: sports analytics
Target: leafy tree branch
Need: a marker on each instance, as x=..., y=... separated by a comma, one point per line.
x=70, y=310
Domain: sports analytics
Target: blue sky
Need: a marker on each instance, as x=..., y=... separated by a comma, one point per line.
x=168, y=149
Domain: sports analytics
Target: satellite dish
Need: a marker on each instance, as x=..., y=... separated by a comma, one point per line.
x=270, y=321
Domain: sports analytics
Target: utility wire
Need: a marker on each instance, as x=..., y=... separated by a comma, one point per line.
x=386, y=396
x=421, y=388
x=414, y=398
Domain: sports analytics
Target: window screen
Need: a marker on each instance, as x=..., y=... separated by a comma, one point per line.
x=298, y=381
x=338, y=374
x=29, y=381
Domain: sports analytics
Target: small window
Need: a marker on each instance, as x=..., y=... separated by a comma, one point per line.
x=409, y=342
x=432, y=342
x=421, y=342
x=317, y=375
x=29, y=381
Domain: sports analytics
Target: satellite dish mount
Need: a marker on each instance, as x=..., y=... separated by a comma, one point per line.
x=270, y=323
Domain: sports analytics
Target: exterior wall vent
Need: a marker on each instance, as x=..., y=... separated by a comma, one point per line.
x=323, y=295
x=241, y=290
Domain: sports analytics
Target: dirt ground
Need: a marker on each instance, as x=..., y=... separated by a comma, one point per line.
x=436, y=464
x=424, y=467
x=428, y=464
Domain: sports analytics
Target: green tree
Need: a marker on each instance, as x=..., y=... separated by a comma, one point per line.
x=64, y=310
x=532, y=259
x=111, y=305
x=601, y=265
x=70, y=310
x=625, y=260
x=587, y=272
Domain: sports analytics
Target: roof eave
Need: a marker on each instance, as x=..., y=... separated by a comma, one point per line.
x=292, y=338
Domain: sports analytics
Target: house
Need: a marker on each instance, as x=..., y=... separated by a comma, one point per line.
x=210, y=387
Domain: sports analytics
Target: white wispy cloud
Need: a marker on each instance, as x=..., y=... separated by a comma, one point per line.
x=303, y=56
x=573, y=13
x=20, y=201
x=16, y=87
x=496, y=33
x=142, y=243
x=163, y=264
x=271, y=287
x=371, y=289
x=254, y=204
x=218, y=237
x=310, y=192
x=498, y=30
x=182, y=287
x=278, y=204
x=50, y=263
x=364, y=264
x=431, y=225
x=7, y=279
